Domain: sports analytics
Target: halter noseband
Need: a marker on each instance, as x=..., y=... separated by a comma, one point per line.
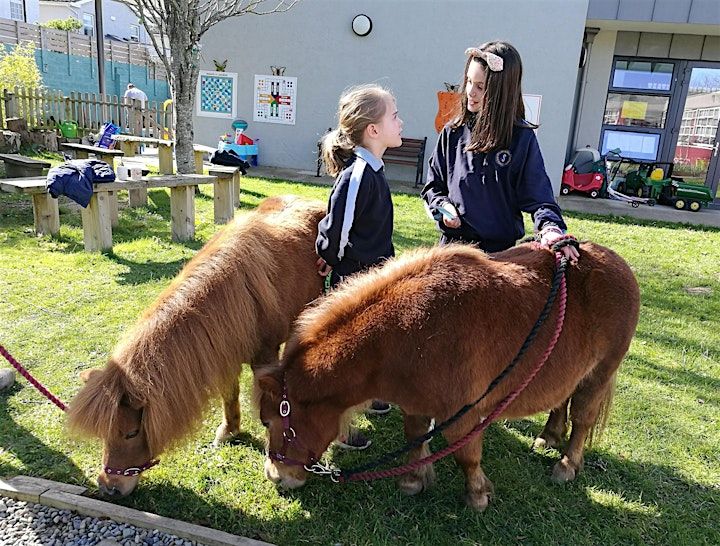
x=131, y=471
x=290, y=437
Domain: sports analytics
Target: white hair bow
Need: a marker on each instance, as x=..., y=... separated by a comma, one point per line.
x=494, y=62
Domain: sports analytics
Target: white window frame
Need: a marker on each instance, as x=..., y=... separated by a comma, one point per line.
x=88, y=30
x=17, y=10
x=135, y=33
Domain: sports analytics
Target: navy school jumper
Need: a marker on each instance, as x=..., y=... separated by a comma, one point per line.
x=357, y=231
x=490, y=190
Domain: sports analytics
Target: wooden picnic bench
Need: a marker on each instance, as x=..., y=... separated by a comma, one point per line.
x=17, y=165
x=129, y=144
x=226, y=192
x=200, y=151
x=101, y=213
x=411, y=153
x=82, y=151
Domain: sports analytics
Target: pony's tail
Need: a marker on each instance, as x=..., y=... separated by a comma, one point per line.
x=604, y=413
x=336, y=150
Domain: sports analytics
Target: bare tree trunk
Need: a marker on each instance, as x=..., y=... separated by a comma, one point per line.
x=184, y=73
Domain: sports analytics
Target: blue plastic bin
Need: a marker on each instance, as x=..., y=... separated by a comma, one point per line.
x=245, y=151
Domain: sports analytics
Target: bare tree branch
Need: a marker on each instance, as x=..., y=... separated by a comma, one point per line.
x=233, y=8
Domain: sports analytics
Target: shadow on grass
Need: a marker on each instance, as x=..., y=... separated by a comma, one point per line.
x=36, y=458
x=614, y=500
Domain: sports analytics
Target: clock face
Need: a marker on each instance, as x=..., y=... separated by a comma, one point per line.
x=361, y=25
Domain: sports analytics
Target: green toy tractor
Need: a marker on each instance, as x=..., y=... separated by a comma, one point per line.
x=654, y=180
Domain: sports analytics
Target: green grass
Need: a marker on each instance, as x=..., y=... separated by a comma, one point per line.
x=654, y=478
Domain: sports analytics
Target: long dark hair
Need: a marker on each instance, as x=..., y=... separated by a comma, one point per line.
x=502, y=106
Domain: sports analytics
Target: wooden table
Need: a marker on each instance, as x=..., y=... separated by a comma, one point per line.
x=17, y=165
x=82, y=151
x=129, y=144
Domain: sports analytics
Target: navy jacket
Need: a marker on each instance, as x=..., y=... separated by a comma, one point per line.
x=75, y=179
x=490, y=190
x=357, y=230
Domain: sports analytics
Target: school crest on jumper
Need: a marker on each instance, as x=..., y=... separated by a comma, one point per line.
x=503, y=158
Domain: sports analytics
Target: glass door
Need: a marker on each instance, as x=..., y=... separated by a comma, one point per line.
x=698, y=123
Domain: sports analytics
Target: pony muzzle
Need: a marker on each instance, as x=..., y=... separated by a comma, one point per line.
x=287, y=477
x=117, y=486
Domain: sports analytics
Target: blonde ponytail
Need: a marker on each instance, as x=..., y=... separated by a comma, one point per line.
x=359, y=107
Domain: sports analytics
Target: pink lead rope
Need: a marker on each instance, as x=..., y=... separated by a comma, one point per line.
x=35, y=383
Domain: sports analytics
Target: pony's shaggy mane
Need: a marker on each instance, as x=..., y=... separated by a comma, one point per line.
x=227, y=286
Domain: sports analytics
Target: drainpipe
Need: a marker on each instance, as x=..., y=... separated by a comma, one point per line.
x=578, y=104
x=100, y=42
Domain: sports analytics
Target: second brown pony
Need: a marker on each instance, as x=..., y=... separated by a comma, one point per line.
x=429, y=331
x=233, y=302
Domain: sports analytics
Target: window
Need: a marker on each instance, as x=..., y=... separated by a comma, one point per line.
x=638, y=107
x=631, y=144
x=88, y=24
x=134, y=33
x=17, y=10
x=636, y=110
x=643, y=75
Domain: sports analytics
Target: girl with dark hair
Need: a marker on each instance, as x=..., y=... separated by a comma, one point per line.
x=487, y=168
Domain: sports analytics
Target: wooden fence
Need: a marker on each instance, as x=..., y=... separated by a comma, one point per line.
x=45, y=109
x=73, y=43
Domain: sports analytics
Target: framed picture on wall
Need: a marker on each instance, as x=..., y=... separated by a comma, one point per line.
x=275, y=99
x=217, y=94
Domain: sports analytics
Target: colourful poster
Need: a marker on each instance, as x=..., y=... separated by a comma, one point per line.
x=633, y=109
x=275, y=99
x=216, y=94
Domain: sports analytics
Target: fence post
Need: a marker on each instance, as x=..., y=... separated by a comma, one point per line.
x=10, y=104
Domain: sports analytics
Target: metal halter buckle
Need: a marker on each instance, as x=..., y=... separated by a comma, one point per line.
x=284, y=408
x=324, y=470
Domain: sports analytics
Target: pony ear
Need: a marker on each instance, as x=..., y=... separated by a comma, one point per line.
x=269, y=384
x=87, y=375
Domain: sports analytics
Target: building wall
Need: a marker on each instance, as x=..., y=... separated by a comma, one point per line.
x=412, y=49
x=117, y=17
x=704, y=12
x=32, y=10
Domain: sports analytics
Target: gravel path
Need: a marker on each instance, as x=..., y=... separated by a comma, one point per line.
x=29, y=524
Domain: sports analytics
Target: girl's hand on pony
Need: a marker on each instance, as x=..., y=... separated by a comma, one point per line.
x=550, y=235
x=323, y=268
x=450, y=215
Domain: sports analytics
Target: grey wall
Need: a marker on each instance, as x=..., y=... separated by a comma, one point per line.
x=592, y=108
x=705, y=12
x=414, y=47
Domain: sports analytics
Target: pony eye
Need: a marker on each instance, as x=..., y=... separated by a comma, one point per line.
x=265, y=424
x=132, y=434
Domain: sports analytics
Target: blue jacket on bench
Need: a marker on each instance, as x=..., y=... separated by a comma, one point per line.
x=75, y=179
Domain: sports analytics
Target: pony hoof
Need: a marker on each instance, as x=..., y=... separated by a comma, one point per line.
x=411, y=485
x=546, y=442
x=563, y=472
x=478, y=501
x=414, y=483
x=223, y=436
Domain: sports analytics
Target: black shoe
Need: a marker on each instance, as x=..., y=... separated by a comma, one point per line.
x=378, y=407
x=356, y=440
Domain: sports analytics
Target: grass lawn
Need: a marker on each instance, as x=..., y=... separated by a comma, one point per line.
x=654, y=477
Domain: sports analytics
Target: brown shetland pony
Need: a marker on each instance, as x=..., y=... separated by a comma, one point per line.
x=234, y=302
x=430, y=330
